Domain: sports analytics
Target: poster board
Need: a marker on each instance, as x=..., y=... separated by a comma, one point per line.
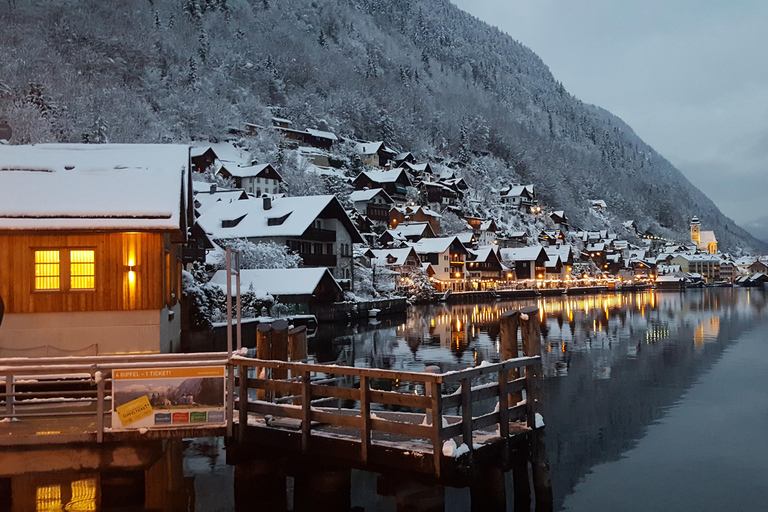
x=168, y=397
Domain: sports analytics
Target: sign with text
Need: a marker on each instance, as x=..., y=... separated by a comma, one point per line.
x=168, y=397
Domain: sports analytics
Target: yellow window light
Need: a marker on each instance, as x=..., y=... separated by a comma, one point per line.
x=47, y=270
x=82, y=269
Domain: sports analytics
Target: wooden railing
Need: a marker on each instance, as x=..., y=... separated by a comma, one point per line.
x=85, y=383
x=428, y=392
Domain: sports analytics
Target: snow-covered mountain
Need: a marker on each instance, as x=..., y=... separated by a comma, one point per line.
x=420, y=74
x=758, y=228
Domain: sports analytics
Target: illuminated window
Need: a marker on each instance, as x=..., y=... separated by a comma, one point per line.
x=81, y=270
x=47, y=270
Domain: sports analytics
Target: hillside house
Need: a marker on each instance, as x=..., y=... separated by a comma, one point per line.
x=447, y=256
x=308, y=289
x=219, y=154
x=255, y=179
x=315, y=227
x=93, y=264
x=560, y=261
x=706, y=265
x=484, y=269
x=374, y=203
x=375, y=153
x=438, y=196
x=410, y=232
x=414, y=214
x=528, y=262
x=395, y=182
x=519, y=196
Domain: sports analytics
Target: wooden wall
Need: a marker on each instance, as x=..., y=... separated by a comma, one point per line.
x=150, y=287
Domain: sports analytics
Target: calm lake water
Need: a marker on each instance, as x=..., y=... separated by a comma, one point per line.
x=652, y=401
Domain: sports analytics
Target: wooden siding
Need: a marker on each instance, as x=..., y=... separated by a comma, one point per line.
x=113, y=290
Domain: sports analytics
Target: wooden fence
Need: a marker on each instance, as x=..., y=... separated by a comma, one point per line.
x=428, y=392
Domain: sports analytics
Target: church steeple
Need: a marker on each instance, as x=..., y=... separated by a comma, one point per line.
x=695, y=230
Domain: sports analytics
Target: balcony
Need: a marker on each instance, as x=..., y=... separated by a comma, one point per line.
x=318, y=260
x=321, y=235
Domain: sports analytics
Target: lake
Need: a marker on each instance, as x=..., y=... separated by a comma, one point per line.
x=652, y=401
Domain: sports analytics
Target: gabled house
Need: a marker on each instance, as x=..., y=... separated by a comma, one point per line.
x=219, y=154
x=310, y=288
x=403, y=260
x=484, y=268
x=207, y=194
x=375, y=153
x=422, y=171
x=93, y=264
x=395, y=182
x=315, y=227
x=255, y=179
x=411, y=232
x=403, y=158
x=513, y=239
x=438, y=195
x=560, y=261
x=519, y=196
x=447, y=256
x=374, y=203
x=412, y=214
x=528, y=262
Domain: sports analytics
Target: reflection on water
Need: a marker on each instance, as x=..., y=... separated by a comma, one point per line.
x=614, y=365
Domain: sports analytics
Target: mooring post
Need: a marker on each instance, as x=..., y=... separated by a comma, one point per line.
x=260, y=485
x=297, y=344
x=510, y=322
x=279, y=348
x=488, y=491
x=322, y=490
x=542, y=484
x=530, y=332
x=263, y=351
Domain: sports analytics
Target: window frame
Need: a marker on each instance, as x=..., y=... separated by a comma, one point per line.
x=65, y=269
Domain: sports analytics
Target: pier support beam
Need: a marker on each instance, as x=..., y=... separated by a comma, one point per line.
x=164, y=484
x=542, y=484
x=489, y=491
x=260, y=485
x=322, y=490
x=520, y=480
x=412, y=496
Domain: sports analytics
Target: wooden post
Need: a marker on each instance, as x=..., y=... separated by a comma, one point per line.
x=437, y=426
x=503, y=407
x=542, y=484
x=306, y=411
x=488, y=491
x=99, y=407
x=260, y=485
x=230, y=398
x=297, y=343
x=322, y=489
x=10, y=390
x=510, y=322
x=242, y=374
x=263, y=351
x=522, y=485
x=531, y=338
x=466, y=413
x=365, y=419
x=280, y=347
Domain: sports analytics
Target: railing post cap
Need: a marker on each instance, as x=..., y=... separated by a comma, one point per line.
x=433, y=368
x=509, y=313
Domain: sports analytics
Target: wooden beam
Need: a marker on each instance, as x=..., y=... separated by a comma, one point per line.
x=365, y=419
x=306, y=410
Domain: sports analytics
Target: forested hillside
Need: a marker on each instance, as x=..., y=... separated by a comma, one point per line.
x=420, y=74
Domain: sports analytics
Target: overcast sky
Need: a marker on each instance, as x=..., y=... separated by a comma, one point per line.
x=689, y=76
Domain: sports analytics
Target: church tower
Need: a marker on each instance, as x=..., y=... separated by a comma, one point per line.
x=696, y=231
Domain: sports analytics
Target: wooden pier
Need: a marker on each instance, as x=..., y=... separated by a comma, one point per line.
x=419, y=431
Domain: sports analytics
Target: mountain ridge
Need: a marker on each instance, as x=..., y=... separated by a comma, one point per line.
x=422, y=75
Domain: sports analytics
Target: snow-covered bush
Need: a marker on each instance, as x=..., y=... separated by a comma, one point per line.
x=420, y=288
x=257, y=255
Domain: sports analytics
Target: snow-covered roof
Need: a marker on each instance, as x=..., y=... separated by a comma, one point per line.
x=281, y=120
x=558, y=251
x=321, y=134
x=518, y=190
x=368, y=148
x=400, y=256
x=434, y=245
x=706, y=237
x=226, y=152
x=521, y=253
x=276, y=281
x=597, y=202
x=483, y=253
x=288, y=216
x=595, y=247
x=93, y=186
x=389, y=176
x=248, y=171
x=410, y=229
x=465, y=238
x=367, y=195
x=205, y=199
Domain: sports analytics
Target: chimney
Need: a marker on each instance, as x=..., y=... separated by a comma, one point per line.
x=213, y=188
x=267, y=202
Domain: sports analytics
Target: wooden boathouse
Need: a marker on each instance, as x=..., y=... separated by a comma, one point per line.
x=420, y=431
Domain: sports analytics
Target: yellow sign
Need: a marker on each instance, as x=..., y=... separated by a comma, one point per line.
x=134, y=410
